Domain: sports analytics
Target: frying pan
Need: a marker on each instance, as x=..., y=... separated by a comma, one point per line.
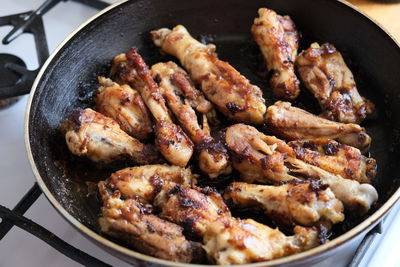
x=68, y=78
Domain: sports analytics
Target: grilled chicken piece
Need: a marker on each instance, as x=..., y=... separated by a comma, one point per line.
x=93, y=135
x=336, y=158
x=278, y=39
x=193, y=208
x=131, y=221
x=176, y=87
x=354, y=196
x=327, y=76
x=125, y=106
x=227, y=240
x=223, y=85
x=293, y=123
x=256, y=156
x=267, y=159
x=247, y=241
x=173, y=143
x=179, y=81
x=296, y=202
x=145, y=182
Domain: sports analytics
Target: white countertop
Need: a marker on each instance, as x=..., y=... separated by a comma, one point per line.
x=19, y=248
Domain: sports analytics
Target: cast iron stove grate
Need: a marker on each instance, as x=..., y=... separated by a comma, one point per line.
x=16, y=80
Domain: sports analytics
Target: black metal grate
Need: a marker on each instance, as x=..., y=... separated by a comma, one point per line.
x=31, y=22
x=14, y=218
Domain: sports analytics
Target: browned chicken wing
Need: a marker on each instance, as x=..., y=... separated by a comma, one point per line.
x=227, y=240
x=293, y=123
x=125, y=217
x=145, y=182
x=256, y=156
x=173, y=143
x=336, y=158
x=184, y=88
x=175, y=87
x=247, y=241
x=267, y=159
x=201, y=212
x=297, y=202
x=355, y=196
x=125, y=106
x=327, y=76
x=93, y=135
x=223, y=85
x=278, y=39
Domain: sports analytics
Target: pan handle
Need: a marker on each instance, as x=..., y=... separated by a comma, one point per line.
x=48, y=237
x=365, y=244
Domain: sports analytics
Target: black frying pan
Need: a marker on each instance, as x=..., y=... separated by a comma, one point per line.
x=68, y=79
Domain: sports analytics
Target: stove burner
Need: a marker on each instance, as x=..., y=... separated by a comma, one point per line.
x=28, y=22
x=9, y=76
x=18, y=79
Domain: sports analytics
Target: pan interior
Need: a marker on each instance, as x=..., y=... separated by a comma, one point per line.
x=71, y=78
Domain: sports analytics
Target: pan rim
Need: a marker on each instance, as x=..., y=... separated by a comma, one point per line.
x=368, y=223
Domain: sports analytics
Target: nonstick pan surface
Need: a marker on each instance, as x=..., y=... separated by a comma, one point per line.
x=69, y=78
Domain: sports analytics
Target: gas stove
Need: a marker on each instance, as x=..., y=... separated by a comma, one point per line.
x=60, y=243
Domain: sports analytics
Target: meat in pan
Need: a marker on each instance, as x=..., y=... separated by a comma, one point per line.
x=326, y=75
x=278, y=40
x=171, y=140
x=222, y=84
x=228, y=240
x=183, y=87
x=336, y=158
x=293, y=123
x=128, y=217
x=201, y=212
x=256, y=156
x=99, y=138
x=145, y=182
x=305, y=203
x=125, y=106
x=267, y=159
x=182, y=99
x=307, y=182
x=356, y=197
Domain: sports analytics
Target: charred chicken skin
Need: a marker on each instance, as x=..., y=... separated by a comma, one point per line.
x=127, y=216
x=125, y=106
x=171, y=140
x=223, y=85
x=294, y=123
x=176, y=88
x=336, y=158
x=327, y=76
x=228, y=240
x=266, y=159
x=296, y=202
x=99, y=138
x=278, y=39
